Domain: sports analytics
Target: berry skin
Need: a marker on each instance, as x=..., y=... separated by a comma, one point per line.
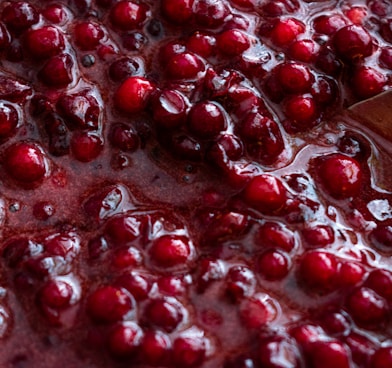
x=124, y=339
x=133, y=94
x=286, y=31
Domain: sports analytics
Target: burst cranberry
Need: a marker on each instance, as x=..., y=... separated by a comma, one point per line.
x=19, y=15
x=9, y=119
x=79, y=110
x=273, y=265
x=57, y=72
x=368, y=82
x=225, y=226
x=340, y=175
x=171, y=285
x=233, y=42
x=124, y=137
x=184, y=65
x=265, y=193
x=169, y=108
x=353, y=42
x=126, y=67
x=259, y=310
x=56, y=294
x=240, y=282
x=189, y=351
x=171, y=250
x=367, y=308
x=128, y=15
x=155, y=348
x=262, y=137
x=277, y=352
x=125, y=339
x=133, y=94
x=286, y=31
x=294, y=78
x=25, y=162
x=109, y=304
x=86, y=147
x=206, y=119
x=165, y=313
x=318, y=271
x=45, y=42
x=88, y=35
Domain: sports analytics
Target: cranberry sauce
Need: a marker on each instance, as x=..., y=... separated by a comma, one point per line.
x=181, y=188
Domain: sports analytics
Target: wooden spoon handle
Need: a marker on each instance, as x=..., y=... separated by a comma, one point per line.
x=375, y=114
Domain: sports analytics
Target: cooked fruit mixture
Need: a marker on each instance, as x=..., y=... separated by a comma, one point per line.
x=181, y=188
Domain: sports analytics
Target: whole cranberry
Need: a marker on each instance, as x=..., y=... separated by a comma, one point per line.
x=326, y=354
x=266, y=193
x=189, y=351
x=285, y=31
x=318, y=271
x=171, y=250
x=184, y=65
x=133, y=94
x=367, y=308
x=165, y=313
x=25, y=162
x=340, y=175
x=233, y=42
x=329, y=24
x=128, y=15
x=57, y=71
x=206, y=119
x=210, y=13
x=109, y=304
x=125, y=339
x=19, y=15
x=381, y=237
x=273, y=265
x=45, y=42
x=9, y=119
x=294, y=78
x=56, y=294
x=156, y=348
x=353, y=42
x=88, y=35
x=367, y=82
x=382, y=358
x=275, y=235
x=86, y=146
x=202, y=44
x=177, y=11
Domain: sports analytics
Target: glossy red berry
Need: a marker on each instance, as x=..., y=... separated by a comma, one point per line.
x=88, y=35
x=45, y=42
x=353, y=42
x=340, y=175
x=265, y=193
x=128, y=15
x=125, y=339
x=26, y=162
x=189, y=351
x=133, y=94
x=109, y=304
